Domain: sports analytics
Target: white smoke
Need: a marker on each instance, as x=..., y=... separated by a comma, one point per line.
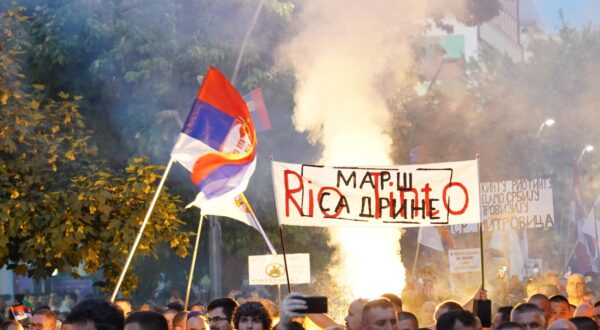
x=343, y=51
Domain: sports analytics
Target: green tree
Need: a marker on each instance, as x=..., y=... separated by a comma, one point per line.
x=62, y=204
x=497, y=111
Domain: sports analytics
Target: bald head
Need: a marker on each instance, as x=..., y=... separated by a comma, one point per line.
x=529, y=316
x=575, y=288
x=562, y=324
x=585, y=309
x=542, y=302
x=354, y=317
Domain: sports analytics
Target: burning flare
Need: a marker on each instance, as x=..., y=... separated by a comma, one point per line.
x=339, y=58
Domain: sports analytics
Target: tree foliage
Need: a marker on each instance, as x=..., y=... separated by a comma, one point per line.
x=62, y=204
x=496, y=112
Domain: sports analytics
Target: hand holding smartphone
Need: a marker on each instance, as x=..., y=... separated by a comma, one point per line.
x=314, y=305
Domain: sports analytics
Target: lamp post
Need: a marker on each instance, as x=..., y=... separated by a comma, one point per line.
x=587, y=148
x=548, y=122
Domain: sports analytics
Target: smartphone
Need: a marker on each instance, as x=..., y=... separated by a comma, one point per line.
x=483, y=310
x=314, y=305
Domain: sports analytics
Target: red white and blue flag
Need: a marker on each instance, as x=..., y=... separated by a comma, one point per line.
x=218, y=142
x=258, y=110
x=585, y=250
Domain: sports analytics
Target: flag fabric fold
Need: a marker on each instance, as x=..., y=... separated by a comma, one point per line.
x=239, y=209
x=513, y=246
x=585, y=250
x=218, y=142
x=218, y=146
x=591, y=230
x=437, y=238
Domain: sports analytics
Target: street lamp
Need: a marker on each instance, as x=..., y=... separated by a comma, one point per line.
x=548, y=122
x=587, y=148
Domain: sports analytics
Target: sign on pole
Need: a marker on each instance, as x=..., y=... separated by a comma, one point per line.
x=269, y=269
x=464, y=261
x=401, y=196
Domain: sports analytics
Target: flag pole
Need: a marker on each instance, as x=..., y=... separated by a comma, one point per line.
x=144, y=223
x=258, y=226
x=414, y=265
x=287, y=276
x=238, y=61
x=596, y=230
x=480, y=232
x=193, y=266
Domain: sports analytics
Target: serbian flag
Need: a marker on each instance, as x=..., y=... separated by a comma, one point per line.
x=217, y=143
x=258, y=110
x=585, y=249
x=239, y=209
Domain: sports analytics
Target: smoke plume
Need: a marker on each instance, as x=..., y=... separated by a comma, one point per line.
x=340, y=57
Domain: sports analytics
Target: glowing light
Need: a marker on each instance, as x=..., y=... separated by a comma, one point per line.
x=588, y=148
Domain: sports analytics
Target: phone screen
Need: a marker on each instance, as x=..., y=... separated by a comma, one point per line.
x=314, y=305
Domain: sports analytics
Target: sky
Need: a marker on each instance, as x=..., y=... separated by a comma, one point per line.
x=577, y=13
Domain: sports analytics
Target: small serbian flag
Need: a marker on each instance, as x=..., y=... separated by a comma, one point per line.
x=258, y=110
x=20, y=312
x=218, y=142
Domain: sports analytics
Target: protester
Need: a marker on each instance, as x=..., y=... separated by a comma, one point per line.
x=585, y=310
x=176, y=306
x=549, y=290
x=146, y=307
x=169, y=315
x=179, y=321
x=146, y=320
x=379, y=314
x=444, y=307
x=407, y=321
x=67, y=303
x=43, y=301
x=124, y=305
x=395, y=300
x=11, y=325
x=195, y=321
x=584, y=323
x=510, y=326
x=501, y=316
x=529, y=316
x=354, y=316
x=252, y=315
x=560, y=308
x=95, y=314
x=43, y=319
x=597, y=312
x=457, y=320
x=55, y=302
x=542, y=302
x=220, y=313
x=198, y=308
x=562, y=324
x=575, y=289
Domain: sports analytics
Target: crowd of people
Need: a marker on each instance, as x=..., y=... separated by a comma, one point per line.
x=566, y=306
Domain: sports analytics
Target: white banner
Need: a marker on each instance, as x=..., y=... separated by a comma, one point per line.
x=406, y=196
x=270, y=269
x=464, y=261
x=514, y=204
